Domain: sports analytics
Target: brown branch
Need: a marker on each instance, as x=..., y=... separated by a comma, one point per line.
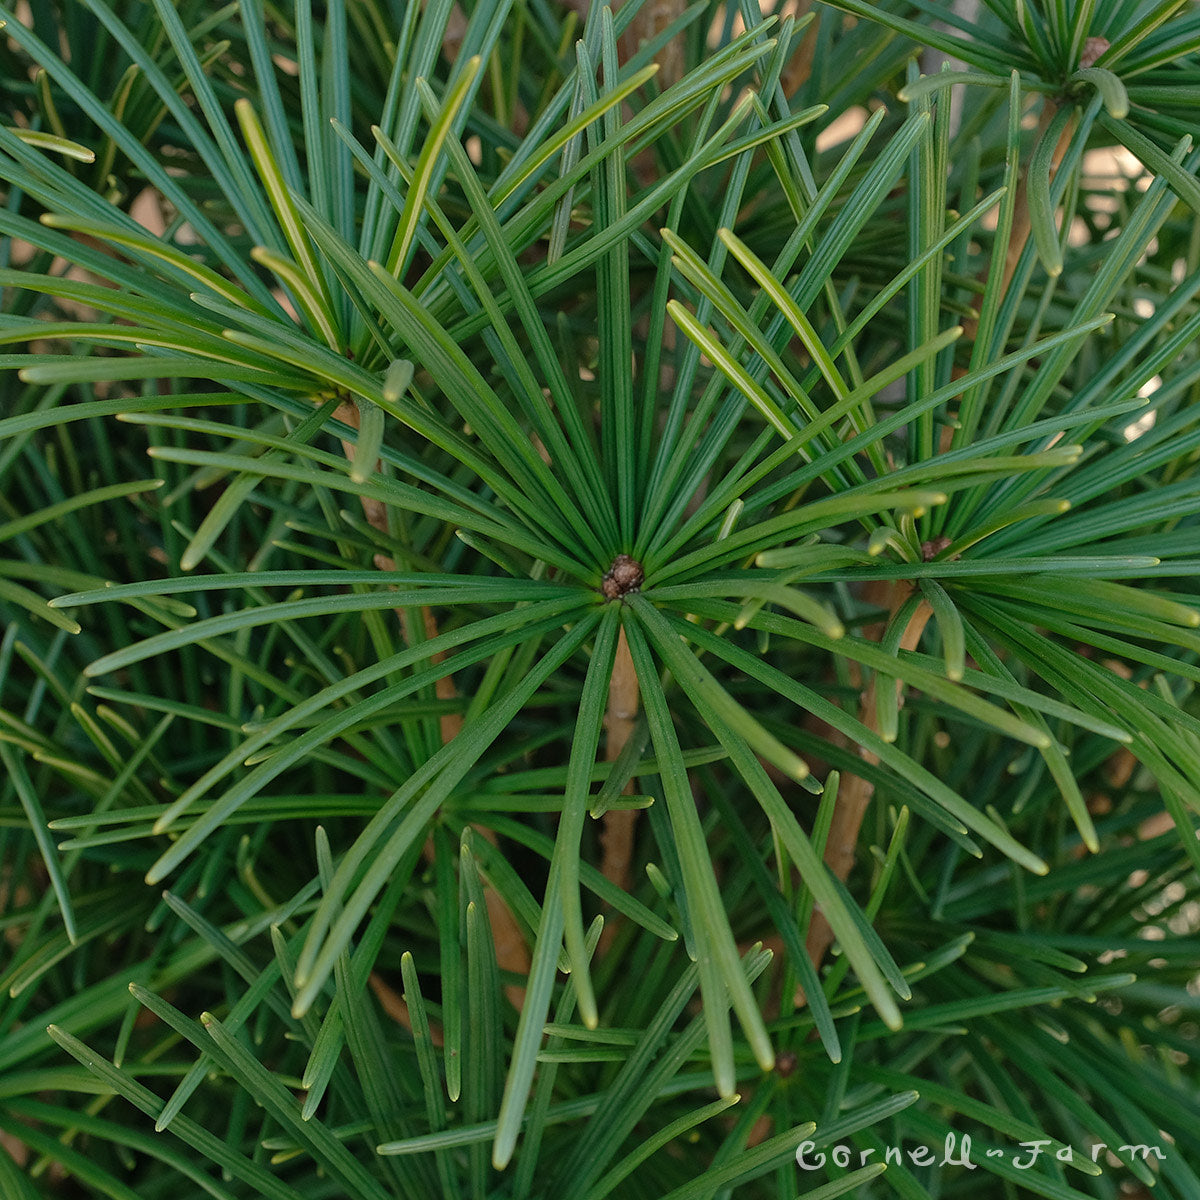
x=799, y=67
x=1022, y=225
x=395, y=1006
x=855, y=792
x=512, y=952
x=652, y=18
x=854, y=795
x=616, y=838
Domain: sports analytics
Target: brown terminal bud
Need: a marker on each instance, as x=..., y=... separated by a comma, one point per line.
x=786, y=1063
x=1092, y=49
x=931, y=549
x=624, y=576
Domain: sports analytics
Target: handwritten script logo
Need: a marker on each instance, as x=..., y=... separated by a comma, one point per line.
x=956, y=1153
